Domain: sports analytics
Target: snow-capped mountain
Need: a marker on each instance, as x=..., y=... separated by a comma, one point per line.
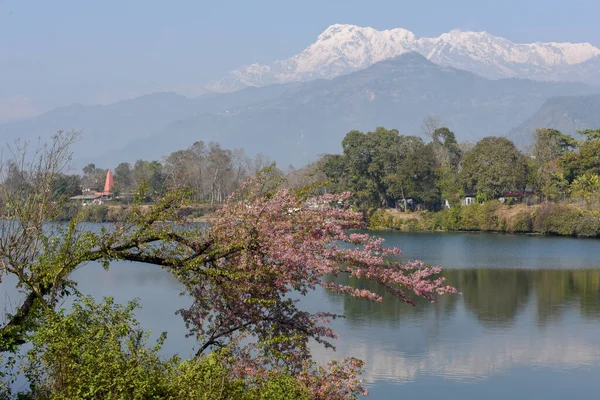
x=341, y=49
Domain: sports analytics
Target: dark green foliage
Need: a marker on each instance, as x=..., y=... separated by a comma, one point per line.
x=494, y=166
x=123, y=177
x=586, y=161
x=99, y=351
x=95, y=213
x=65, y=186
x=383, y=169
x=68, y=211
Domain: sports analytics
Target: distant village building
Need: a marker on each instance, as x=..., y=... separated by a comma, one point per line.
x=517, y=197
x=92, y=197
x=468, y=200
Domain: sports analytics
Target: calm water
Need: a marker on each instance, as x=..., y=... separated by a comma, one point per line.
x=527, y=325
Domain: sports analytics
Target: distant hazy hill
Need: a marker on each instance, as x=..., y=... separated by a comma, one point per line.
x=566, y=113
x=313, y=117
x=111, y=127
x=295, y=122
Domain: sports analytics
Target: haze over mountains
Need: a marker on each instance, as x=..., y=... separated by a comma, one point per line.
x=352, y=78
x=565, y=113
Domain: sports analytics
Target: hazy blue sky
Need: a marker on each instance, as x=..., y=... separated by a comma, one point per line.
x=57, y=52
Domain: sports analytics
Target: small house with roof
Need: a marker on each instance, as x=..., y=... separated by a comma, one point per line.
x=93, y=197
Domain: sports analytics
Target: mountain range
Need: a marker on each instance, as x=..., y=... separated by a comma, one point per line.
x=342, y=49
x=293, y=123
x=351, y=78
x=312, y=118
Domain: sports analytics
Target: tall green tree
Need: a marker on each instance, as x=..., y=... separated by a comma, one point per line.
x=383, y=168
x=65, y=185
x=149, y=175
x=547, y=175
x=370, y=159
x=494, y=166
x=586, y=160
x=414, y=177
x=123, y=178
x=93, y=178
x=448, y=155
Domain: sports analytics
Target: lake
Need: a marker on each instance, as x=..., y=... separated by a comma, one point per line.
x=526, y=326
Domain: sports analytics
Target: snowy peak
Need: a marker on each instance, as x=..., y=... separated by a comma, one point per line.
x=340, y=34
x=341, y=49
x=483, y=46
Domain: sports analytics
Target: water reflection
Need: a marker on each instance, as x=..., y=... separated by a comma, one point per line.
x=526, y=325
x=507, y=322
x=494, y=296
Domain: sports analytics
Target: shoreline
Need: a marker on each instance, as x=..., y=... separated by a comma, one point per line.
x=548, y=219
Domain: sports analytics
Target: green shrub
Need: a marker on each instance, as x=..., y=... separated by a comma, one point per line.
x=376, y=219
x=94, y=213
x=587, y=226
x=488, y=217
x=555, y=219
x=68, y=211
x=452, y=219
x=521, y=223
x=470, y=217
x=98, y=351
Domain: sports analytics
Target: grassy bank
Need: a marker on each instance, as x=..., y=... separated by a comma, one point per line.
x=493, y=216
x=117, y=212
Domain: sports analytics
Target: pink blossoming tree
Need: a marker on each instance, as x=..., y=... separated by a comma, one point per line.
x=261, y=251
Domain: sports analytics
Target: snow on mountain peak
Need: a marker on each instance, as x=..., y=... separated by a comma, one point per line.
x=343, y=48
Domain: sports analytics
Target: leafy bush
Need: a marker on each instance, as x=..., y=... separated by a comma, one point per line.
x=98, y=351
x=521, y=223
x=587, y=226
x=470, y=217
x=478, y=217
x=68, y=211
x=555, y=219
x=488, y=216
x=548, y=219
x=94, y=213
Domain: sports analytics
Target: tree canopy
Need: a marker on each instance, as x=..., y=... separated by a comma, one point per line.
x=493, y=166
x=384, y=167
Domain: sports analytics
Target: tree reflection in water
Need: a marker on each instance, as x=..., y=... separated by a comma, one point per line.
x=495, y=296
